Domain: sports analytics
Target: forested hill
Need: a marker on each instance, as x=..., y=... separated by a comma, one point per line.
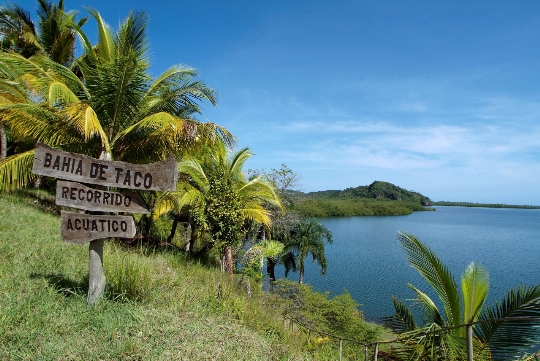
x=376, y=199
x=376, y=190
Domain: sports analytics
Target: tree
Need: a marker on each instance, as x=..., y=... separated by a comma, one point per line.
x=111, y=105
x=284, y=179
x=495, y=334
x=54, y=37
x=220, y=199
x=306, y=237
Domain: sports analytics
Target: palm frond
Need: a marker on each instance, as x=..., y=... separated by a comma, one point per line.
x=37, y=124
x=16, y=171
x=60, y=74
x=402, y=320
x=171, y=77
x=475, y=286
x=105, y=37
x=238, y=160
x=504, y=335
x=256, y=213
x=164, y=203
x=59, y=92
x=289, y=261
x=260, y=191
x=437, y=274
x=167, y=202
x=13, y=92
x=131, y=36
x=196, y=174
x=272, y=248
x=431, y=312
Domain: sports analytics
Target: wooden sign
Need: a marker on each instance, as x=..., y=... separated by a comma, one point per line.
x=160, y=176
x=79, y=196
x=81, y=228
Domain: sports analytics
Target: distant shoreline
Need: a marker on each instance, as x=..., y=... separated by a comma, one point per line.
x=482, y=205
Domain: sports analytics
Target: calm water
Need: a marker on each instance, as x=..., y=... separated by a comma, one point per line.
x=366, y=260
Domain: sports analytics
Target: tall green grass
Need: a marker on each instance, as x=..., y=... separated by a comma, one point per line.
x=157, y=306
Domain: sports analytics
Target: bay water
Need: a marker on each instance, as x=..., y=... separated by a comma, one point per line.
x=366, y=260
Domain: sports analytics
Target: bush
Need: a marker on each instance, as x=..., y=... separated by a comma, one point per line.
x=338, y=315
x=129, y=276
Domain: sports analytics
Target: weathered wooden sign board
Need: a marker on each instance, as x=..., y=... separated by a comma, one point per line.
x=94, y=228
x=55, y=163
x=81, y=228
x=76, y=195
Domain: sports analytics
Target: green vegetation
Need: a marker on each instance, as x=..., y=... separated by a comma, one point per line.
x=483, y=205
x=495, y=337
x=158, y=304
x=215, y=196
x=377, y=199
x=104, y=101
x=337, y=316
x=376, y=190
x=306, y=237
x=170, y=302
x=346, y=207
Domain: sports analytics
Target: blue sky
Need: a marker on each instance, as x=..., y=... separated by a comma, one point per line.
x=437, y=97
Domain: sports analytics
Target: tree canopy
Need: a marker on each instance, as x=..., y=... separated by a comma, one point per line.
x=105, y=101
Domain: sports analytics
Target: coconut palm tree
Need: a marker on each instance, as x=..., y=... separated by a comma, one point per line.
x=220, y=198
x=111, y=105
x=494, y=335
x=18, y=32
x=306, y=237
x=53, y=36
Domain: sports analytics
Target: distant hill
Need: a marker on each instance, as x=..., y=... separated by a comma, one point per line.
x=376, y=199
x=376, y=190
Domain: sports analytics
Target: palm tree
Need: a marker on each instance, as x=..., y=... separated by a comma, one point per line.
x=494, y=333
x=112, y=105
x=306, y=237
x=18, y=32
x=220, y=200
x=54, y=36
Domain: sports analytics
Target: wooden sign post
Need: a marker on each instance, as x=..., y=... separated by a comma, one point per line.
x=94, y=228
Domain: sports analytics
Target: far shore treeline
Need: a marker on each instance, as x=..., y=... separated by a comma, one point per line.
x=483, y=205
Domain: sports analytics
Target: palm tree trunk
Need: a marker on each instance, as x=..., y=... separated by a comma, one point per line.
x=301, y=279
x=228, y=260
x=3, y=142
x=192, y=238
x=270, y=265
x=173, y=228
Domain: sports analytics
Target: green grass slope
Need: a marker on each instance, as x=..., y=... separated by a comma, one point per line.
x=158, y=306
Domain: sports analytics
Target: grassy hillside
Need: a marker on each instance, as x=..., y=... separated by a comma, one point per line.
x=158, y=305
